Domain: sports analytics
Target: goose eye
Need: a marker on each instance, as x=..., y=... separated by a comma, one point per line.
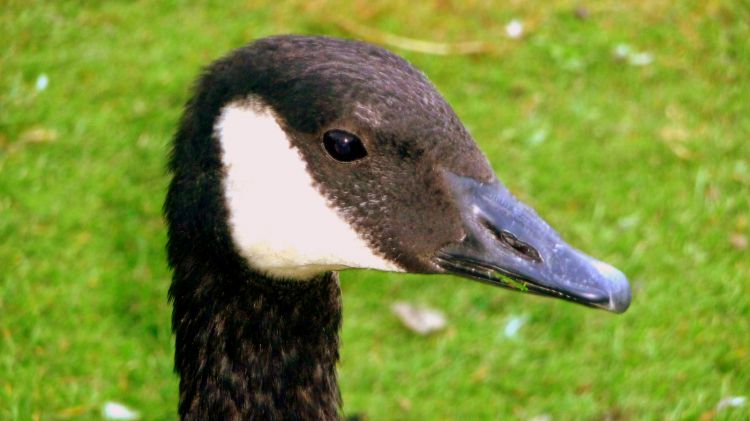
x=343, y=146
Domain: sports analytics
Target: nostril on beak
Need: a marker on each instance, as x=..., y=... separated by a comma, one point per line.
x=509, y=240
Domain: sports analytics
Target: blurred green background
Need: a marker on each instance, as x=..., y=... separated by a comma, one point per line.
x=625, y=124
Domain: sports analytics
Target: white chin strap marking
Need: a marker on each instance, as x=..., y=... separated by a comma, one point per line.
x=279, y=220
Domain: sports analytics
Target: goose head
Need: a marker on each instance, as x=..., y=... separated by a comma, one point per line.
x=335, y=154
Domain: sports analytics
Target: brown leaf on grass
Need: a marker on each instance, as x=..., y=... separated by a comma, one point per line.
x=673, y=134
x=413, y=44
x=480, y=374
x=613, y=414
x=404, y=404
x=583, y=388
x=581, y=12
x=674, y=137
x=34, y=135
x=708, y=415
x=73, y=411
x=738, y=241
x=38, y=135
x=713, y=193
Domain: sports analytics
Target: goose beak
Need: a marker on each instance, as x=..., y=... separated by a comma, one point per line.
x=508, y=245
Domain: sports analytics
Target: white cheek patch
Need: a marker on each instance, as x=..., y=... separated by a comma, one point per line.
x=279, y=220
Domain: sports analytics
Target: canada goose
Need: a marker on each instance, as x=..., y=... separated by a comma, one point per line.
x=300, y=156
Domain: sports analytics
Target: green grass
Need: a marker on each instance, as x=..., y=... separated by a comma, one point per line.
x=647, y=167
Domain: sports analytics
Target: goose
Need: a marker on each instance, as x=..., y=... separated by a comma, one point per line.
x=298, y=157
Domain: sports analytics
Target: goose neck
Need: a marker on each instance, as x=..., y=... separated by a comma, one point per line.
x=257, y=348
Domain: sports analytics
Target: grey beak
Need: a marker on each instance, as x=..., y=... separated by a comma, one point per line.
x=507, y=244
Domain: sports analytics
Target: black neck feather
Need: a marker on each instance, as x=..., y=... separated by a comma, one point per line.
x=247, y=347
x=256, y=348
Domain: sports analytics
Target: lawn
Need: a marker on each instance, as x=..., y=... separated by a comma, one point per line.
x=627, y=126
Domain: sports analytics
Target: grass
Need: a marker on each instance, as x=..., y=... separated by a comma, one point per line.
x=647, y=167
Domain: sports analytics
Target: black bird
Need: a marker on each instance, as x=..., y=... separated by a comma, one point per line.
x=300, y=156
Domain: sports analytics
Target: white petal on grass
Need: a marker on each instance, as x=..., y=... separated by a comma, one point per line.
x=621, y=51
x=42, y=81
x=514, y=29
x=538, y=137
x=514, y=324
x=731, y=402
x=624, y=52
x=641, y=59
x=118, y=411
x=421, y=320
x=629, y=222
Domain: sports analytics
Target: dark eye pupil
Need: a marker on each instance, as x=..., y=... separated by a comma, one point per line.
x=343, y=146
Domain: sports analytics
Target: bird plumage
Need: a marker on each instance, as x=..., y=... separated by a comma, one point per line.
x=261, y=212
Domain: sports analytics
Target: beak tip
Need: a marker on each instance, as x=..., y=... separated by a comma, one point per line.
x=618, y=287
